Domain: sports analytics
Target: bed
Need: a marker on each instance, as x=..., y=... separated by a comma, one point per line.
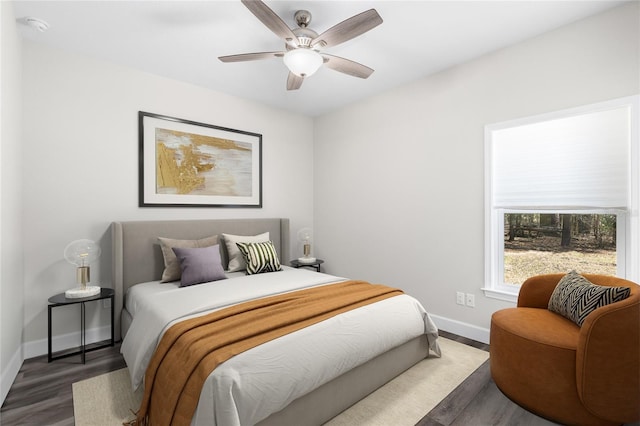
x=138, y=266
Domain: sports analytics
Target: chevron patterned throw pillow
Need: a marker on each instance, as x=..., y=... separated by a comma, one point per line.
x=575, y=297
x=260, y=257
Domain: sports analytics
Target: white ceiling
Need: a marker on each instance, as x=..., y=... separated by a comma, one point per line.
x=183, y=39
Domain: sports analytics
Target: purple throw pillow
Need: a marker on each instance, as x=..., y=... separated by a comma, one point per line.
x=199, y=265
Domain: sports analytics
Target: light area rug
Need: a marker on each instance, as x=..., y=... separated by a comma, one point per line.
x=106, y=400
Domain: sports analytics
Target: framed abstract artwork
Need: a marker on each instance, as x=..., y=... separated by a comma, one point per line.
x=183, y=163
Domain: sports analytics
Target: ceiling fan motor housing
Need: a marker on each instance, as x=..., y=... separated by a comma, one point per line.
x=304, y=34
x=305, y=37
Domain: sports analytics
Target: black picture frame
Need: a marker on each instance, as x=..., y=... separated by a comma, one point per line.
x=184, y=163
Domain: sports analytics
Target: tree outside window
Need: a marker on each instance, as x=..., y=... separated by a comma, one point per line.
x=545, y=243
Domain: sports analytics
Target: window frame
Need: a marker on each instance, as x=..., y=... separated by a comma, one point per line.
x=628, y=222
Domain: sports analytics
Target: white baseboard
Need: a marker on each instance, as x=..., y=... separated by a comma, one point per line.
x=65, y=341
x=460, y=328
x=10, y=373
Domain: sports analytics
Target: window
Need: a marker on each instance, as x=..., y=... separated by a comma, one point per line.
x=561, y=193
x=546, y=243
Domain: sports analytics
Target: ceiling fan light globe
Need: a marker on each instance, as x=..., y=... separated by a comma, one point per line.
x=303, y=62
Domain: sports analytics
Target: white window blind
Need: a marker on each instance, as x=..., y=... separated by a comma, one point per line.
x=579, y=162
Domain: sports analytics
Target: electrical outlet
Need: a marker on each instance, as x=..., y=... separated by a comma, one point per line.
x=471, y=300
x=106, y=303
x=459, y=298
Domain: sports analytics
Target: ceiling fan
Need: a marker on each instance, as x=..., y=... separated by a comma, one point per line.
x=302, y=54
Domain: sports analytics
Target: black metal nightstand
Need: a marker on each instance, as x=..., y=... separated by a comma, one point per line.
x=316, y=265
x=61, y=300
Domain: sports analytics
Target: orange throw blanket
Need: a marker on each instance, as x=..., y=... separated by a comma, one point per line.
x=190, y=350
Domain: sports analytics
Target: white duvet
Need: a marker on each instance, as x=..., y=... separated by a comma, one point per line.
x=285, y=368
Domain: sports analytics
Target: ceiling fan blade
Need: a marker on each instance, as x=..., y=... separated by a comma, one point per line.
x=348, y=29
x=294, y=82
x=251, y=56
x=272, y=21
x=347, y=66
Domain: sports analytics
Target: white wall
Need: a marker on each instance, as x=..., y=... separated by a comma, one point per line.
x=81, y=167
x=11, y=247
x=399, y=177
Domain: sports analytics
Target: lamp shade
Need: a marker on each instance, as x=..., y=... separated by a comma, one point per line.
x=81, y=253
x=305, y=235
x=303, y=61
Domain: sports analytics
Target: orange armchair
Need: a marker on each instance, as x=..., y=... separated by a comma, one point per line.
x=587, y=375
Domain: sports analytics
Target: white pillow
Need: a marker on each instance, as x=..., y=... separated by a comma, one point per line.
x=236, y=260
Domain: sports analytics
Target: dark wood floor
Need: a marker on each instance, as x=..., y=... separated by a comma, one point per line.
x=41, y=393
x=478, y=401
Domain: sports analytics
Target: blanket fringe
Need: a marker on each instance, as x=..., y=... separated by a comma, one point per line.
x=136, y=422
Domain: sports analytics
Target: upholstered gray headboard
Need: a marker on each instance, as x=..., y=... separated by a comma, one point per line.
x=137, y=256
